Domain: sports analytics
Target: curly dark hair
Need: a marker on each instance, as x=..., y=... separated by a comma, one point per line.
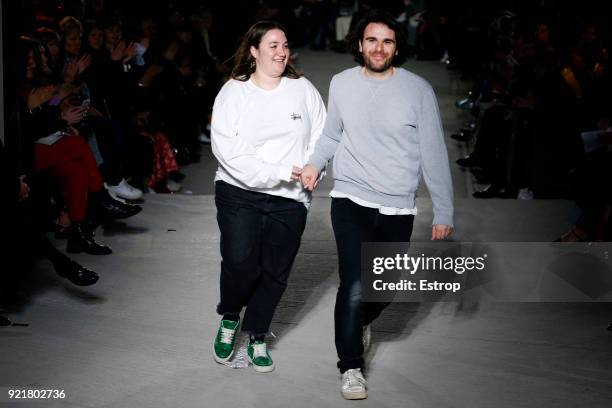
x=381, y=17
x=243, y=60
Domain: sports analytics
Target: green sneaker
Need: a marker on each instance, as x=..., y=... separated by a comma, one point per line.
x=259, y=356
x=225, y=340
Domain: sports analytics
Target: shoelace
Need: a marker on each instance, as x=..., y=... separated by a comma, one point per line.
x=259, y=350
x=227, y=335
x=352, y=379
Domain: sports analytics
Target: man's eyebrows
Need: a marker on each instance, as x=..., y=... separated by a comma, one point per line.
x=383, y=39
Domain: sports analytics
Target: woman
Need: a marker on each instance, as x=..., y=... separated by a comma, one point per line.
x=60, y=153
x=266, y=121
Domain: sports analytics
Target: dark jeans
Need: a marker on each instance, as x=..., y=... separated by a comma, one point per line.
x=354, y=224
x=260, y=237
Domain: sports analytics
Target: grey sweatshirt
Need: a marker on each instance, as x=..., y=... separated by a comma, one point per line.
x=384, y=135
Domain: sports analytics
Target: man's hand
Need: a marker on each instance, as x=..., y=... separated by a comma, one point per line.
x=440, y=231
x=310, y=177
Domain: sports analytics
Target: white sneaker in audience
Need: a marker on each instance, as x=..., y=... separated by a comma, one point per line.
x=124, y=190
x=173, y=186
x=525, y=194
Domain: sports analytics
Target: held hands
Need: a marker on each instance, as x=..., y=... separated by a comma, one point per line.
x=440, y=231
x=295, y=173
x=310, y=177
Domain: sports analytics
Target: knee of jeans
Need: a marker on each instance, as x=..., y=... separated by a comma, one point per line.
x=351, y=291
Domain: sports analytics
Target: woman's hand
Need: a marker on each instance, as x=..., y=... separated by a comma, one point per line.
x=118, y=51
x=310, y=177
x=24, y=189
x=149, y=75
x=71, y=70
x=129, y=53
x=171, y=51
x=83, y=63
x=74, y=115
x=295, y=173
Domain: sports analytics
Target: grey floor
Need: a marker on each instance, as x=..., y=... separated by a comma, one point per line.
x=142, y=336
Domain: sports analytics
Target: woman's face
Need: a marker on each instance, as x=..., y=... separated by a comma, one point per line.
x=272, y=54
x=149, y=29
x=542, y=34
x=54, y=50
x=44, y=61
x=30, y=65
x=186, y=68
x=72, y=43
x=95, y=38
x=112, y=35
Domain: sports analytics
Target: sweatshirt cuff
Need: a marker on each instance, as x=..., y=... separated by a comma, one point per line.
x=284, y=171
x=318, y=162
x=443, y=219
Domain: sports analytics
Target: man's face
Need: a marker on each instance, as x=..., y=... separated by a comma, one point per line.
x=113, y=34
x=378, y=47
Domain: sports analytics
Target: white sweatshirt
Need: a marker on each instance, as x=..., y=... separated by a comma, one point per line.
x=259, y=135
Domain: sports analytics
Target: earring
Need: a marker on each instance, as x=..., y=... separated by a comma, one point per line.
x=252, y=64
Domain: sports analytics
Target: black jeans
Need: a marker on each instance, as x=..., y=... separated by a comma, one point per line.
x=354, y=224
x=260, y=237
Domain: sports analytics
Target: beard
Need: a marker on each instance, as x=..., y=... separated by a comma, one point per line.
x=377, y=67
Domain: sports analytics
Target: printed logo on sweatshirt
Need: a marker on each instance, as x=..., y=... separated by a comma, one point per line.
x=296, y=116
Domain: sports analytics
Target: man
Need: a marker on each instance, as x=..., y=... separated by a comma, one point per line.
x=383, y=130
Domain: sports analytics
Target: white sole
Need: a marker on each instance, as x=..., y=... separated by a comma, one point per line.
x=355, y=395
x=259, y=369
x=219, y=359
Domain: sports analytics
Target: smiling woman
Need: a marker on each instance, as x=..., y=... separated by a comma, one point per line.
x=264, y=47
x=265, y=123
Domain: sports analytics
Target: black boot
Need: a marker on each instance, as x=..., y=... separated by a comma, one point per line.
x=74, y=272
x=463, y=136
x=494, y=191
x=79, y=240
x=469, y=161
x=109, y=208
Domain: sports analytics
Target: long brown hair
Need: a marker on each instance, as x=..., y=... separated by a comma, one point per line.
x=244, y=63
